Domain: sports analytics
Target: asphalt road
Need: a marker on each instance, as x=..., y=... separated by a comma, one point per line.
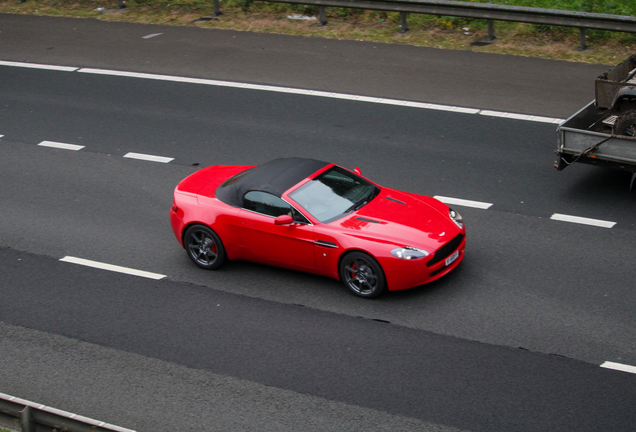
x=285, y=350
x=492, y=81
x=364, y=363
x=502, y=161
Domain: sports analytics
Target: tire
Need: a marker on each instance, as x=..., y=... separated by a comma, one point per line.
x=204, y=247
x=362, y=274
x=626, y=124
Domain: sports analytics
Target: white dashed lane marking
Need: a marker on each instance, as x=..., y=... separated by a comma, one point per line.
x=463, y=202
x=151, y=35
x=141, y=156
x=555, y=216
x=444, y=199
x=111, y=267
x=59, y=145
x=619, y=367
x=582, y=220
x=75, y=147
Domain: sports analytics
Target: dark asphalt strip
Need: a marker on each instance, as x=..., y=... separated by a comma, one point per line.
x=358, y=361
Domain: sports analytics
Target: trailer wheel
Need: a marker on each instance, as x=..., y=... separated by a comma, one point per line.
x=626, y=124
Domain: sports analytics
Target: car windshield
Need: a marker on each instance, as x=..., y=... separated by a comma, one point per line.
x=333, y=194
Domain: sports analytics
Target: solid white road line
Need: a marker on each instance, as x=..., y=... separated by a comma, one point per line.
x=619, y=367
x=38, y=66
x=59, y=145
x=146, y=157
x=89, y=421
x=332, y=95
x=149, y=76
x=463, y=202
x=521, y=117
x=582, y=220
x=110, y=267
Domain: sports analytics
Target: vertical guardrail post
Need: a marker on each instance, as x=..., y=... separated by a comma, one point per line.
x=322, y=16
x=491, y=28
x=217, y=12
x=403, y=25
x=582, y=39
x=217, y=9
x=27, y=424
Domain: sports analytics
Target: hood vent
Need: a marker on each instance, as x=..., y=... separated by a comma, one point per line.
x=367, y=220
x=395, y=200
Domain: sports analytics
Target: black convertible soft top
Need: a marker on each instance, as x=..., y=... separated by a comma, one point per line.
x=274, y=177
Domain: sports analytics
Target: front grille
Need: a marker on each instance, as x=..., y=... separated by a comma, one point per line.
x=443, y=252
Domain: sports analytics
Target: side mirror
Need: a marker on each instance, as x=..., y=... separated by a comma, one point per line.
x=283, y=220
x=357, y=171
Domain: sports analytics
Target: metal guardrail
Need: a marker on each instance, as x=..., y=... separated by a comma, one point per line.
x=487, y=11
x=26, y=416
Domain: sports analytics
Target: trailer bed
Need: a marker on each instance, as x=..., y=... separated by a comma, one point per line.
x=584, y=138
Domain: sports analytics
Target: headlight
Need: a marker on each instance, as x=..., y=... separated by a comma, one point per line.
x=456, y=218
x=409, y=253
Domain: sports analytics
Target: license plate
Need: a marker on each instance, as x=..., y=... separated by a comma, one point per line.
x=452, y=258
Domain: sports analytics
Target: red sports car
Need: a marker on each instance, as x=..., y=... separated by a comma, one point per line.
x=313, y=216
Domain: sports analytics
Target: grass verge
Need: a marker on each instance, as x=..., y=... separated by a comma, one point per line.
x=352, y=24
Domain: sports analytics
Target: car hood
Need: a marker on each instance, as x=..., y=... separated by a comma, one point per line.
x=404, y=219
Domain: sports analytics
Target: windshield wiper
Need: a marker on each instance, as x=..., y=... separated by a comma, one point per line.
x=363, y=201
x=356, y=206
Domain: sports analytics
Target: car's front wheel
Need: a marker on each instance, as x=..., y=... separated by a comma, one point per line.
x=362, y=274
x=204, y=247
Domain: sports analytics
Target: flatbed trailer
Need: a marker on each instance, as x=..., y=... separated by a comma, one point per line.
x=603, y=133
x=584, y=138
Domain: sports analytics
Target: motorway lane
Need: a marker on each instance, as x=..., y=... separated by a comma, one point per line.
x=370, y=364
x=463, y=78
x=501, y=161
x=148, y=394
x=546, y=286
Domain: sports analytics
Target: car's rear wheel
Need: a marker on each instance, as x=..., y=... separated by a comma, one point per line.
x=362, y=274
x=204, y=247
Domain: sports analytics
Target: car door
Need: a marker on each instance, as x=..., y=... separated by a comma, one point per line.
x=290, y=245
